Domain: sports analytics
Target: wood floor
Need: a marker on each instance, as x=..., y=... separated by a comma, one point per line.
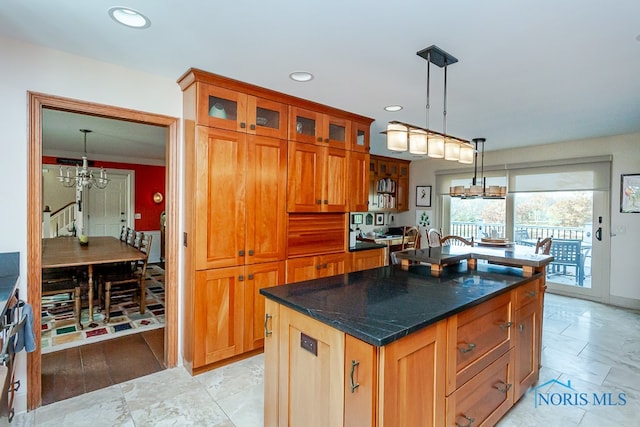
x=83, y=369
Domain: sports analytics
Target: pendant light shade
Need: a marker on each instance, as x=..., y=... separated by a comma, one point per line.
x=451, y=150
x=436, y=147
x=466, y=154
x=418, y=141
x=397, y=137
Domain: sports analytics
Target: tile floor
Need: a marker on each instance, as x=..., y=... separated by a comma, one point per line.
x=594, y=346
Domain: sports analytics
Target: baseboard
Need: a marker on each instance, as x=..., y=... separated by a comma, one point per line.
x=631, y=303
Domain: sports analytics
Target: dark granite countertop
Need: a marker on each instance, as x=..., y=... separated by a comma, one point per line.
x=365, y=246
x=384, y=304
x=9, y=273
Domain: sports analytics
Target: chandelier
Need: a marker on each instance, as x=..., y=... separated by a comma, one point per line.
x=418, y=140
x=478, y=187
x=83, y=176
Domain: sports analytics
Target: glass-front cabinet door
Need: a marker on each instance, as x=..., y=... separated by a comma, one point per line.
x=317, y=128
x=360, y=137
x=228, y=109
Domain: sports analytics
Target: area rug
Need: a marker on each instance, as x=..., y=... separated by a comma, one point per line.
x=60, y=332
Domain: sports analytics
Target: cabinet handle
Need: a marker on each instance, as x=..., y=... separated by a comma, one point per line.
x=241, y=278
x=503, y=387
x=469, y=421
x=324, y=265
x=532, y=294
x=250, y=276
x=318, y=267
x=466, y=349
x=326, y=202
x=521, y=327
x=326, y=140
x=506, y=325
x=252, y=127
x=354, y=385
x=318, y=202
x=243, y=125
x=267, y=332
x=241, y=253
x=250, y=252
x=319, y=139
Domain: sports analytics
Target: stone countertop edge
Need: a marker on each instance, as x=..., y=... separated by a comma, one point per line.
x=365, y=246
x=9, y=274
x=382, y=305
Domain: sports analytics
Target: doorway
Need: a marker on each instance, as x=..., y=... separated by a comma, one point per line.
x=37, y=102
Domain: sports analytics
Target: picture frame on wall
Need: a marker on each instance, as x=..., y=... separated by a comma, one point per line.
x=379, y=219
x=630, y=193
x=423, y=196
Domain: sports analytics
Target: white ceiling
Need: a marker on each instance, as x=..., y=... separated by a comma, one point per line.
x=529, y=73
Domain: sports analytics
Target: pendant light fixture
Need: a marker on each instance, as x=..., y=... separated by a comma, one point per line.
x=478, y=186
x=420, y=141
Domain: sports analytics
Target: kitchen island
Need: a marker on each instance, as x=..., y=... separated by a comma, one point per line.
x=396, y=346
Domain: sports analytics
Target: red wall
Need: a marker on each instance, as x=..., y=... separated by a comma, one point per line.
x=149, y=180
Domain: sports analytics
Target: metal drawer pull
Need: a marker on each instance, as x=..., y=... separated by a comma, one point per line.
x=469, y=419
x=506, y=325
x=503, y=388
x=467, y=349
x=354, y=385
x=267, y=332
x=532, y=294
x=521, y=327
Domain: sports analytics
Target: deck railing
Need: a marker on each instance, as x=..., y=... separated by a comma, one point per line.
x=522, y=231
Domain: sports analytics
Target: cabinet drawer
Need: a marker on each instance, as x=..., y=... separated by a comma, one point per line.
x=486, y=398
x=527, y=294
x=477, y=337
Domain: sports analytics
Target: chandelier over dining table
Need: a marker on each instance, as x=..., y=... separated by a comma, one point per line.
x=83, y=177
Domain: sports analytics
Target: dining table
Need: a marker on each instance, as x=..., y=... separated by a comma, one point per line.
x=68, y=252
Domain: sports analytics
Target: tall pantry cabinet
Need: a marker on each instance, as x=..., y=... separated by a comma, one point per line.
x=253, y=158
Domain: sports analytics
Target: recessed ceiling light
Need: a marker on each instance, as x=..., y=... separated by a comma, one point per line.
x=393, y=108
x=301, y=76
x=129, y=17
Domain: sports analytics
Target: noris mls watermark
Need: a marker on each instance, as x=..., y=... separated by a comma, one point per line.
x=568, y=396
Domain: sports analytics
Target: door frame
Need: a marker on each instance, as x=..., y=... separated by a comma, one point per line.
x=36, y=102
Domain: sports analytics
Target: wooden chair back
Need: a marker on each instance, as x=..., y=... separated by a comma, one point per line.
x=543, y=246
x=455, y=240
x=410, y=238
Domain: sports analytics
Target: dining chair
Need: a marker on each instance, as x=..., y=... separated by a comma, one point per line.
x=410, y=238
x=63, y=283
x=132, y=282
x=433, y=238
x=123, y=233
x=544, y=245
x=456, y=241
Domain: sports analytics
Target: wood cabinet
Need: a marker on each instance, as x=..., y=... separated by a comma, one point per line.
x=364, y=260
x=388, y=184
x=412, y=379
x=229, y=109
x=240, y=195
x=237, y=162
x=314, y=127
x=229, y=310
x=527, y=335
x=317, y=178
x=358, y=181
x=485, y=398
x=316, y=267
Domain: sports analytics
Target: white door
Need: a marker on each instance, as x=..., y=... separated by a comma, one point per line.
x=109, y=209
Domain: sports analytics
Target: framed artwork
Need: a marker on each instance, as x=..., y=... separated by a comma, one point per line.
x=379, y=219
x=423, y=196
x=357, y=219
x=424, y=218
x=630, y=193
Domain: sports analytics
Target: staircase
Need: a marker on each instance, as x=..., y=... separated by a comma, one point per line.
x=60, y=222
